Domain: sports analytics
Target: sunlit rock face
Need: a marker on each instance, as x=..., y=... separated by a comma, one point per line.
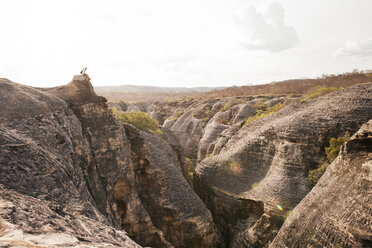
x=337, y=212
x=266, y=162
x=69, y=173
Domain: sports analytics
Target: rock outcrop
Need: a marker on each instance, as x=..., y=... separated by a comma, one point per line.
x=188, y=131
x=46, y=164
x=337, y=212
x=266, y=162
x=168, y=198
x=64, y=156
x=27, y=221
x=214, y=127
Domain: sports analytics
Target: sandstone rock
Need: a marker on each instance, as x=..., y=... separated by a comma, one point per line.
x=26, y=221
x=273, y=101
x=168, y=124
x=214, y=127
x=225, y=136
x=243, y=112
x=46, y=155
x=257, y=235
x=189, y=131
x=268, y=159
x=337, y=212
x=62, y=147
x=170, y=201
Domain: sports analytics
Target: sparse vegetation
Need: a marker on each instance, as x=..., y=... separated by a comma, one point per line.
x=226, y=107
x=123, y=105
x=205, y=114
x=263, y=113
x=114, y=111
x=177, y=115
x=142, y=121
x=331, y=153
x=320, y=92
x=295, y=87
x=190, y=167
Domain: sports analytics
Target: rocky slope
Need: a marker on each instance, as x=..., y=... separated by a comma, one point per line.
x=73, y=176
x=337, y=212
x=266, y=162
x=201, y=123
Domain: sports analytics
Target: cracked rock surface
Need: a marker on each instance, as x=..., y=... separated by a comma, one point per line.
x=70, y=177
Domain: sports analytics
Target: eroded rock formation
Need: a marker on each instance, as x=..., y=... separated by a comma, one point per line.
x=266, y=163
x=74, y=176
x=337, y=212
x=68, y=159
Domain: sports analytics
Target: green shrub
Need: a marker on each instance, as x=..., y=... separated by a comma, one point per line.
x=260, y=106
x=321, y=91
x=293, y=95
x=114, y=111
x=190, y=167
x=226, y=107
x=314, y=175
x=263, y=113
x=331, y=152
x=141, y=120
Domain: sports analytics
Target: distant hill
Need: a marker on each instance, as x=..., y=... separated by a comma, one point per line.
x=293, y=86
x=137, y=88
x=136, y=93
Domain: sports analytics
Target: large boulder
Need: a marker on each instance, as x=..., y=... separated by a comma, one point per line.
x=337, y=211
x=267, y=161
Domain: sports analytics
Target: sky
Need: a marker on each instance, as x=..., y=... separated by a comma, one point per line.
x=188, y=43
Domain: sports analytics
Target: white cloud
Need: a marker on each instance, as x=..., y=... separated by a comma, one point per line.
x=356, y=48
x=268, y=30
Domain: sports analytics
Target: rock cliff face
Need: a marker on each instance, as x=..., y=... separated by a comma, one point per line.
x=266, y=164
x=337, y=212
x=70, y=176
x=170, y=201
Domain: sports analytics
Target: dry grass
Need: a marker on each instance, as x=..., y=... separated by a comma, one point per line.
x=293, y=87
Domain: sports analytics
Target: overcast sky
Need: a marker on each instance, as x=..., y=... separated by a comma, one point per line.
x=182, y=43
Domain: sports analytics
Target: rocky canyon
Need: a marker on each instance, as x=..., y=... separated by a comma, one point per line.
x=224, y=172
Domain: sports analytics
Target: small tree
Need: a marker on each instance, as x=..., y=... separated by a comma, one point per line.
x=123, y=105
x=141, y=120
x=190, y=167
x=332, y=152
